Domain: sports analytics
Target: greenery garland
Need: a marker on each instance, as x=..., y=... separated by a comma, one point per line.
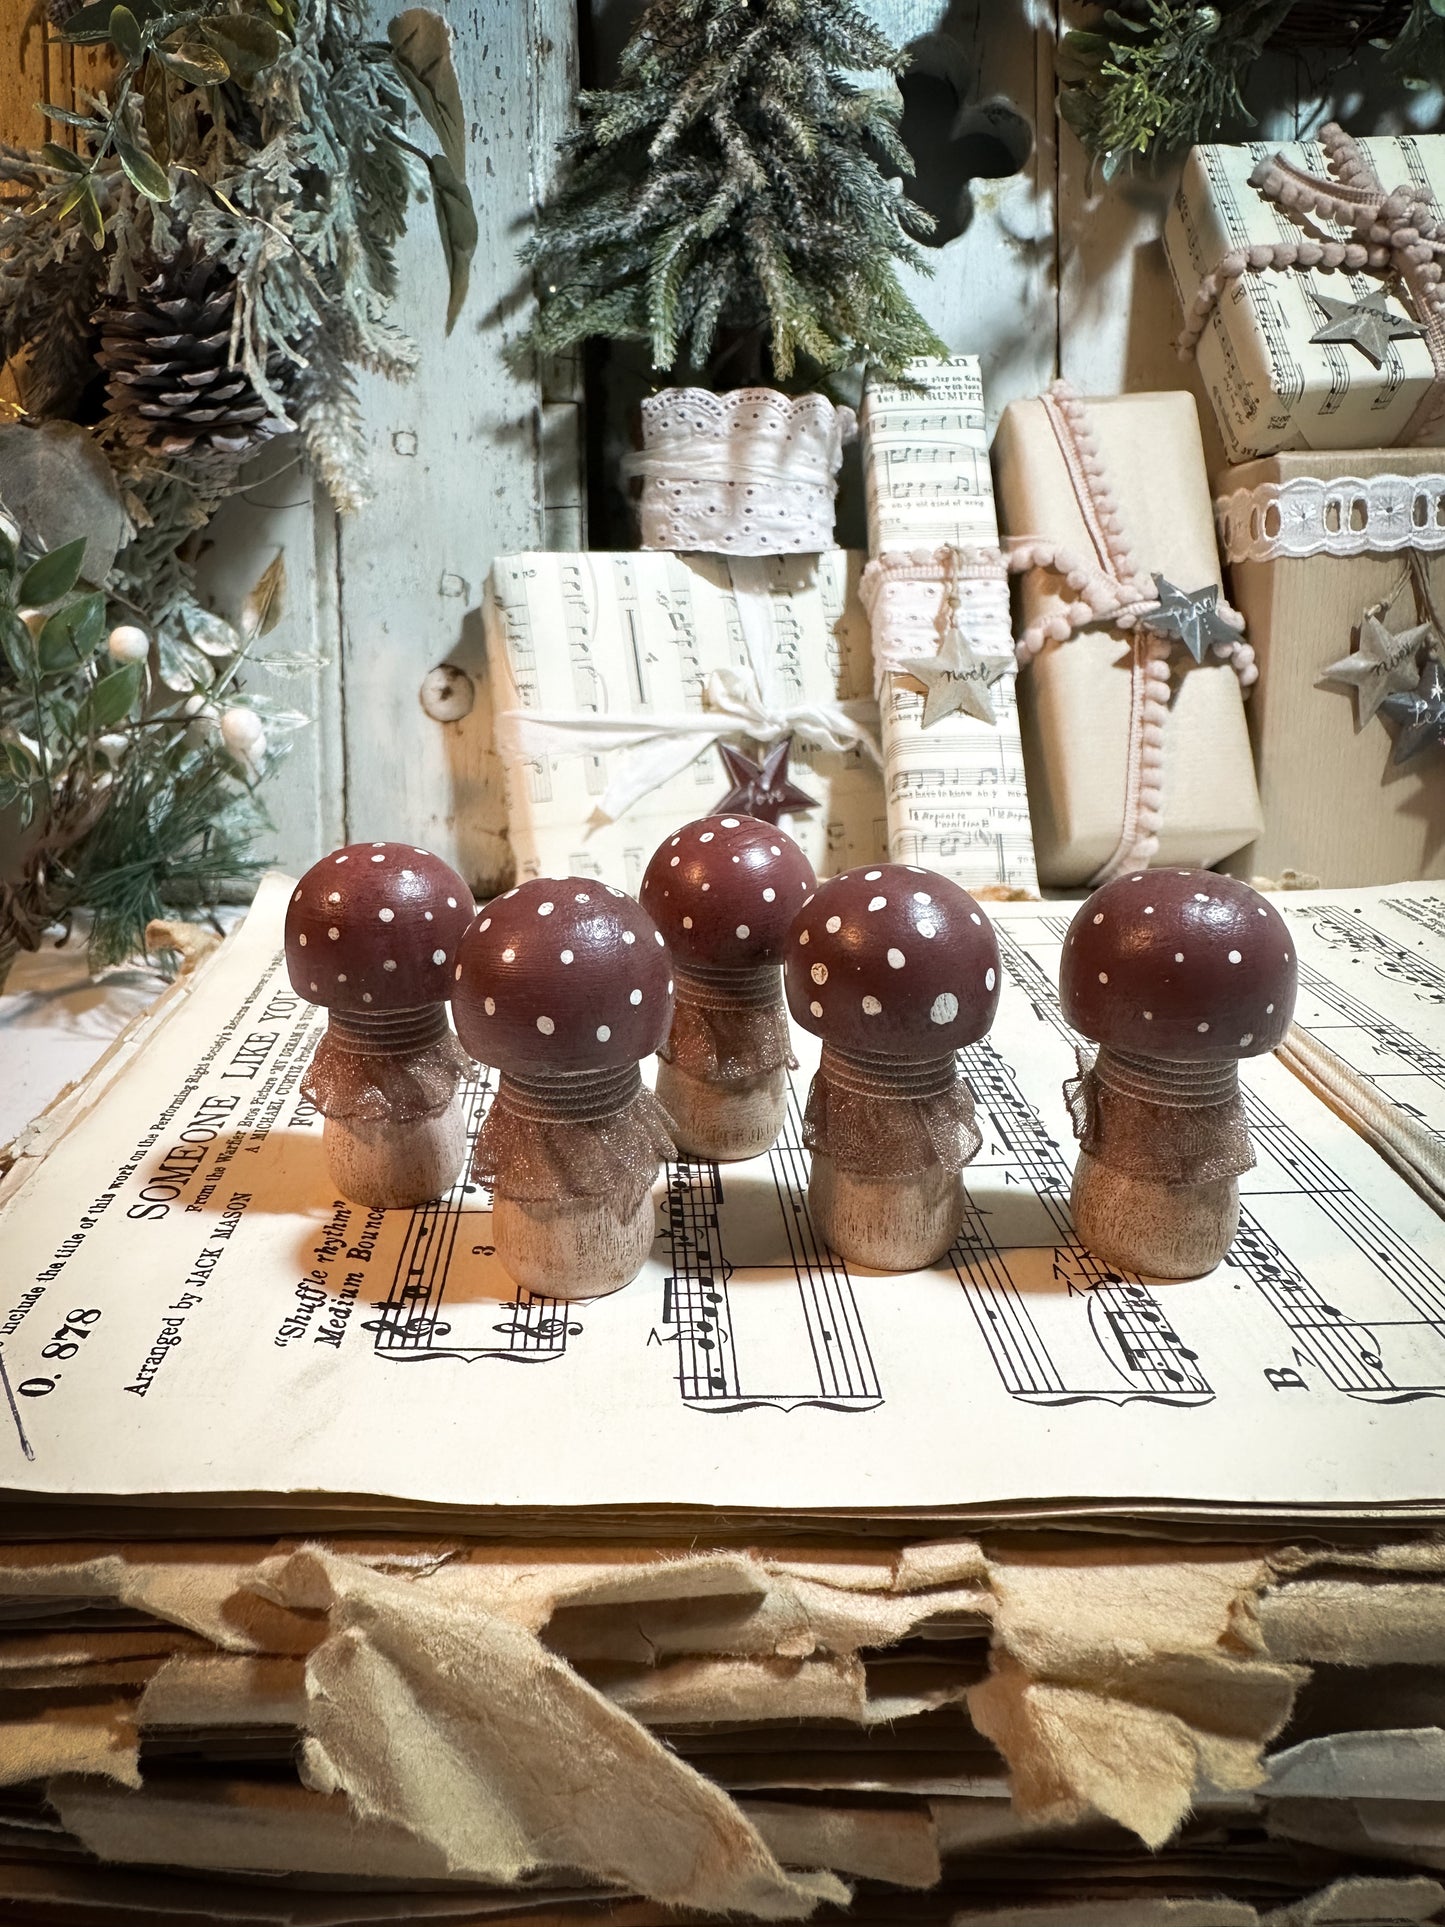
x=1157, y=76
x=208, y=265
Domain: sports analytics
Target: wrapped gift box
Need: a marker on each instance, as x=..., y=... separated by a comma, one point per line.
x=1271, y=387
x=596, y=658
x=1075, y=698
x=955, y=792
x=1335, y=807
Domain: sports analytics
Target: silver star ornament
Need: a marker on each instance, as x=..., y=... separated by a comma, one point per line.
x=1369, y=325
x=1191, y=616
x=1386, y=663
x=957, y=678
x=1420, y=713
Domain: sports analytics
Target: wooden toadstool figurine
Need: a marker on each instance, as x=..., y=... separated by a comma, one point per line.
x=724, y=892
x=372, y=933
x=564, y=985
x=1175, y=975
x=895, y=969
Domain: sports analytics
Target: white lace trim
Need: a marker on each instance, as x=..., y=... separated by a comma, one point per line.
x=908, y=595
x=1352, y=515
x=751, y=472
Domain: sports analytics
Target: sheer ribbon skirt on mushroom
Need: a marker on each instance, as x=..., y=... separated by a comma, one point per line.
x=889, y=1139
x=571, y=1160
x=722, y=1076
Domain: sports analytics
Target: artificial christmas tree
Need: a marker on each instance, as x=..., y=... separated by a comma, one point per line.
x=725, y=203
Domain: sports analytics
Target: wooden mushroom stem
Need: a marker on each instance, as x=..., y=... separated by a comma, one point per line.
x=889, y=1137
x=722, y=1076
x=1162, y=1145
x=571, y=1158
x=386, y=1082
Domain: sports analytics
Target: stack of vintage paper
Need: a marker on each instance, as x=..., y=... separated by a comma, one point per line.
x=343, y=1582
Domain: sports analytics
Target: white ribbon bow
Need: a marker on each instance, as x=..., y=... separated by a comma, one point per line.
x=739, y=703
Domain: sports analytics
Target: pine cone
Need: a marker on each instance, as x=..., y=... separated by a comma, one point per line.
x=172, y=389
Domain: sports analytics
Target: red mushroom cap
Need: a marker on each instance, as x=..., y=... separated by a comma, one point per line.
x=1179, y=964
x=895, y=960
x=725, y=891
x=376, y=926
x=562, y=974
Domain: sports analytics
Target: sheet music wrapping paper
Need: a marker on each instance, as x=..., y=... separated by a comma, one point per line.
x=638, y=634
x=189, y=1309
x=1270, y=386
x=956, y=796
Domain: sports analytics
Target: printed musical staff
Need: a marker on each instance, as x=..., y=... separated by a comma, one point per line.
x=801, y=1332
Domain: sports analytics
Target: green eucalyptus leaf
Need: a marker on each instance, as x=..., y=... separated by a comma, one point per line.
x=247, y=43
x=421, y=47
x=89, y=25
x=19, y=647
x=156, y=102
x=125, y=32
x=145, y=175
x=65, y=158
x=195, y=61
x=73, y=196
x=110, y=699
x=72, y=635
x=59, y=716
x=18, y=762
x=457, y=223
x=53, y=576
x=91, y=218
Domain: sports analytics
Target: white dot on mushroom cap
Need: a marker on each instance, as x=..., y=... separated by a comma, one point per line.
x=1269, y=1010
x=669, y=986
x=629, y=936
x=546, y=1026
x=926, y=929
x=1138, y=879
x=1103, y=976
x=1201, y=1028
x=612, y=890
x=819, y=973
x=730, y=822
x=871, y=876
x=988, y=978
x=675, y=861
x=687, y=923
x=815, y=1006
x=707, y=836
x=776, y=848
x=1148, y=1016
x=1178, y=956
x=335, y=896
x=803, y=936
x=945, y=1007
x=674, y=843
x=297, y=898
x=737, y=859
x=658, y=935
x=386, y=916
x=1286, y=956
x=1148, y=909
x=451, y=903
x=921, y=896
x=545, y=909
x=366, y=996
x=489, y=1004
x=427, y=915
x=878, y=903
x=313, y=986
x=341, y=859
x=634, y=996
x=871, y=1006
x=390, y=964
x=707, y=886
x=1248, y=1038
x=341, y=976
x=1199, y=897
x=896, y=959
x=509, y=956
x=409, y=875
x=302, y=939
x=379, y=845
x=378, y=859
x=769, y=895
x=457, y=973
x=833, y=925
x=566, y=956
x=743, y=930
x=1262, y=912
x=485, y=924
x=1099, y=917
x=603, y=1033
x=1234, y=957
x=581, y=897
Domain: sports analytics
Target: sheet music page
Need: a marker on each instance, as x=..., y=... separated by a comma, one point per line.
x=189, y=1308
x=637, y=634
x=956, y=796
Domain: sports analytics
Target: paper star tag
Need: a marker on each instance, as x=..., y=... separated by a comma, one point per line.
x=957, y=678
x=1191, y=616
x=1369, y=325
x=1420, y=713
x=764, y=789
x=1386, y=663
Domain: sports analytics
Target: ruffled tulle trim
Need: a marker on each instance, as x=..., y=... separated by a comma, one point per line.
x=383, y=1089
x=880, y=1134
x=552, y=1160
